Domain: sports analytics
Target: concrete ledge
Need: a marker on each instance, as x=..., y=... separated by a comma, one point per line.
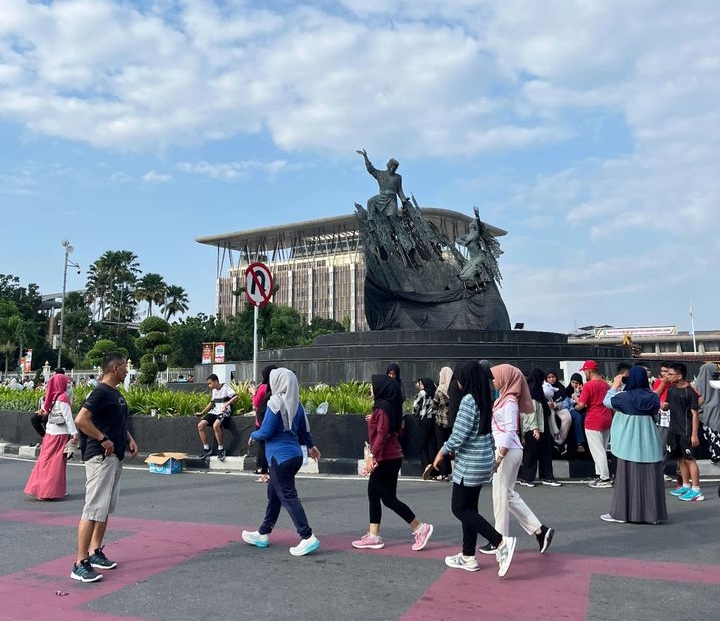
x=231, y=464
x=30, y=452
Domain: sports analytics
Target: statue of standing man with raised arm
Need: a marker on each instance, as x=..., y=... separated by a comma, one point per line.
x=390, y=185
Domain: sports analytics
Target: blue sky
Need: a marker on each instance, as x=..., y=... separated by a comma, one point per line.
x=589, y=131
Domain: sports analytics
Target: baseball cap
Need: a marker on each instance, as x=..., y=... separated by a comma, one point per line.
x=589, y=365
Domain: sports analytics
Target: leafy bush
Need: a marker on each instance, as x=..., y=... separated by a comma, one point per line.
x=345, y=398
x=154, y=324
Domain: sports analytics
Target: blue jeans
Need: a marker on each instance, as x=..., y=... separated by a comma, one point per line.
x=578, y=425
x=281, y=492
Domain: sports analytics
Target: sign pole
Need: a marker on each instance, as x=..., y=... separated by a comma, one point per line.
x=258, y=291
x=255, y=343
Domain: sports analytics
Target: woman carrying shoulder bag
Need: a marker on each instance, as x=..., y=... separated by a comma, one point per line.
x=48, y=479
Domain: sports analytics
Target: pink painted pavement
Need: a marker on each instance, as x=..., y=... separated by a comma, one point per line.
x=156, y=546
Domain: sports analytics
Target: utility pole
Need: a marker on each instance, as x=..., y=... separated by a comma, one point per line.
x=68, y=250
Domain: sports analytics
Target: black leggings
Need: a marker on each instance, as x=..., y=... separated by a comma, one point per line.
x=465, y=508
x=38, y=422
x=537, y=451
x=428, y=447
x=262, y=463
x=382, y=487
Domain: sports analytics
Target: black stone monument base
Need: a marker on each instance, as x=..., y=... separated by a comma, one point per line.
x=421, y=353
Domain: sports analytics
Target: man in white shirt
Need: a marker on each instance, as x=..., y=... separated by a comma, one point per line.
x=214, y=415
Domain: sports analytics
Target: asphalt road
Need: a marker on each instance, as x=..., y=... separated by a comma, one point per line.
x=177, y=541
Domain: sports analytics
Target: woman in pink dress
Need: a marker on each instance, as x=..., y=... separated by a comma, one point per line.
x=47, y=480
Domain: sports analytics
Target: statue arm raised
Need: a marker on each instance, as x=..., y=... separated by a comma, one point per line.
x=368, y=164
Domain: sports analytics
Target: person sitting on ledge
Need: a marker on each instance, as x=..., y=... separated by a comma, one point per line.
x=215, y=414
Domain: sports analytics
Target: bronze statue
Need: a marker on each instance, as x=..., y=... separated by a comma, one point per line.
x=417, y=278
x=390, y=186
x=483, y=251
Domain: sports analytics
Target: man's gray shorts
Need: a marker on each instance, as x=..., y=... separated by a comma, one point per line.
x=102, y=487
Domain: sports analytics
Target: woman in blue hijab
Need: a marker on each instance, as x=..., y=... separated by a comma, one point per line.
x=639, y=492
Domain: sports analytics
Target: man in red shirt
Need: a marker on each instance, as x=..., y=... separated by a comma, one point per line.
x=597, y=421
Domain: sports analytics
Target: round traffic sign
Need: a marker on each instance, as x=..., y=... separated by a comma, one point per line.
x=258, y=284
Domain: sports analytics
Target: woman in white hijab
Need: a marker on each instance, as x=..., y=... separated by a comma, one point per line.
x=284, y=428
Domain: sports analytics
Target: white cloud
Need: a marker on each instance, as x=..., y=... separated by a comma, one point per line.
x=621, y=97
x=155, y=177
x=235, y=171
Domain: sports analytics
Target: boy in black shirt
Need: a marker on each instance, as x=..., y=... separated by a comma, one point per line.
x=683, y=433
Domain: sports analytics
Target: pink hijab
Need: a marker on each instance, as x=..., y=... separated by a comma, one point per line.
x=56, y=390
x=513, y=387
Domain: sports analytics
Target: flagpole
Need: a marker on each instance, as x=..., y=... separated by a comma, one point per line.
x=692, y=328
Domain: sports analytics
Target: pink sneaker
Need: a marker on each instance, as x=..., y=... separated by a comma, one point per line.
x=422, y=536
x=369, y=542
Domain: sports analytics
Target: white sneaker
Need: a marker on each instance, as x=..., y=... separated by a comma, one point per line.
x=504, y=554
x=460, y=562
x=305, y=546
x=254, y=538
x=606, y=517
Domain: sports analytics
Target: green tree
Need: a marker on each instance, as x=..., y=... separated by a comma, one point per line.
x=110, y=285
x=102, y=347
x=10, y=320
x=320, y=326
x=151, y=288
x=78, y=336
x=22, y=323
x=152, y=344
x=188, y=335
x=176, y=302
x=286, y=328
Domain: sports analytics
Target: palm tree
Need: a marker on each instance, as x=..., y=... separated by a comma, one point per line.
x=151, y=288
x=9, y=326
x=176, y=301
x=110, y=279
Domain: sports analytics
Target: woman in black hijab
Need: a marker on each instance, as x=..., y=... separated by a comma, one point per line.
x=383, y=463
x=538, y=442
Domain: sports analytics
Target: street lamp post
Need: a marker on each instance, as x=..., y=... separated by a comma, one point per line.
x=68, y=250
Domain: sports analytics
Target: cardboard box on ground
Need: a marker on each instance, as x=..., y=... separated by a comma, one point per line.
x=165, y=463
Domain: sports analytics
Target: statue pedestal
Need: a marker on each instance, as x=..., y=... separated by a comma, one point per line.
x=421, y=353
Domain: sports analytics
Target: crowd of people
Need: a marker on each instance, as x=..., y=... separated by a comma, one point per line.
x=479, y=425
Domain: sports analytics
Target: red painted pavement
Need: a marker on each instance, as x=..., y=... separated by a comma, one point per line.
x=157, y=546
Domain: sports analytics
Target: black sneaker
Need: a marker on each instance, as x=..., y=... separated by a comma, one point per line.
x=489, y=548
x=545, y=538
x=99, y=560
x=204, y=452
x=84, y=572
x=221, y=454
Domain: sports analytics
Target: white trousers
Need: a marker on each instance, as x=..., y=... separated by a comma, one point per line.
x=565, y=422
x=597, y=443
x=506, y=500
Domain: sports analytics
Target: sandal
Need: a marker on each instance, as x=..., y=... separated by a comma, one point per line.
x=263, y=478
x=580, y=448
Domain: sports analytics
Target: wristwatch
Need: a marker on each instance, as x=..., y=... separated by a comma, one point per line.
x=103, y=439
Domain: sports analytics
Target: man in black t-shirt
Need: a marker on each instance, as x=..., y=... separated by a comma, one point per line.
x=683, y=433
x=104, y=438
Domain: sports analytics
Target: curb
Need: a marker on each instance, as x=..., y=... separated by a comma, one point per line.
x=565, y=470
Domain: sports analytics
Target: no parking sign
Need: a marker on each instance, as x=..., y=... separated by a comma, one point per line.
x=258, y=284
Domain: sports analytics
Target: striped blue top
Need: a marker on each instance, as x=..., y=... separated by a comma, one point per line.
x=474, y=452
